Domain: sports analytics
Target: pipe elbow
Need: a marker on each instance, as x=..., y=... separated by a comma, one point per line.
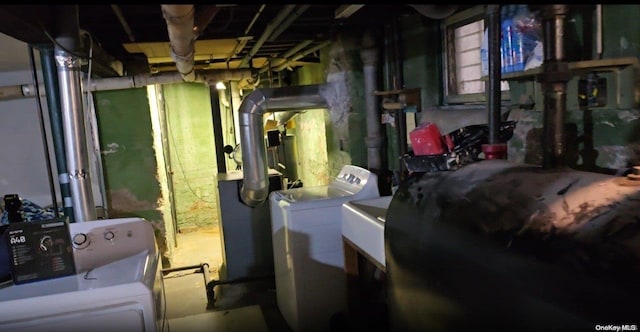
x=253, y=197
x=253, y=103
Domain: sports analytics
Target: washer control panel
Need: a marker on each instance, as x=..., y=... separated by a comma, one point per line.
x=100, y=242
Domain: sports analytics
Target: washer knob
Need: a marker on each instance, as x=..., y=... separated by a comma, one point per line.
x=80, y=240
x=108, y=235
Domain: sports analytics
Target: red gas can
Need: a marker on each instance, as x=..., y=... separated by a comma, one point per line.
x=427, y=140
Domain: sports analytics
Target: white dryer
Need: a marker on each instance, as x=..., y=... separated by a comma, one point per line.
x=118, y=285
x=307, y=247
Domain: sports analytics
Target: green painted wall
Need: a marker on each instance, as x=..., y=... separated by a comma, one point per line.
x=345, y=124
x=615, y=126
x=312, y=133
x=129, y=163
x=192, y=154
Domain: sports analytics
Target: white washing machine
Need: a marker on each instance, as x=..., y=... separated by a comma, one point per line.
x=117, y=285
x=307, y=247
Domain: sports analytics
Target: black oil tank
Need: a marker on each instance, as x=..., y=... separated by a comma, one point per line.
x=509, y=247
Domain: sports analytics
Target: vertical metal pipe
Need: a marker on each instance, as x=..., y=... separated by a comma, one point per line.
x=218, y=139
x=373, y=141
x=54, y=199
x=398, y=84
x=554, y=82
x=72, y=117
x=494, y=149
x=50, y=78
x=493, y=85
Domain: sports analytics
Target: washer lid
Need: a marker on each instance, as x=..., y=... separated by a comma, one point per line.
x=306, y=194
x=134, y=269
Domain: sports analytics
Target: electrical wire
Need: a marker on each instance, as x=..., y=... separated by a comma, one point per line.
x=184, y=175
x=91, y=119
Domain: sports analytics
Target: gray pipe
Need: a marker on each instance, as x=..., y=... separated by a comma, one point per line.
x=180, y=22
x=285, y=25
x=302, y=55
x=373, y=141
x=255, y=184
x=266, y=33
x=50, y=78
x=72, y=117
x=493, y=85
x=210, y=77
x=554, y=80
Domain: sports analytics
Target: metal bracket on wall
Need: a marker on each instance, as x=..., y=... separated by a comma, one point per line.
x=408, y=100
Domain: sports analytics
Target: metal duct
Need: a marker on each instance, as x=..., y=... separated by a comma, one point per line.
x=180, y=22
x=72, y=115
x=369, y=56
x=255, y=184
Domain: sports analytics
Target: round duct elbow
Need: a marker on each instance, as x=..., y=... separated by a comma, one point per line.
x=436, y=12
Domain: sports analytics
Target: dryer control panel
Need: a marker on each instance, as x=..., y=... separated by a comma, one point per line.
x=100, y=242
x=357, y=179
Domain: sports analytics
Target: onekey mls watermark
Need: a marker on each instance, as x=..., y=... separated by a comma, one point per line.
x=618, y=328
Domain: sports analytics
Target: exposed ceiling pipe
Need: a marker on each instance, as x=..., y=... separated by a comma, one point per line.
x=209, y=77
x=255, y=183
x=267, y=32
x=253, y=21
x=345, y=11
x=123, y=21
x=204, y=16
x=242, y=41
x=302, y=55
x=288, y=54
x=180, y=23
x=285, y=25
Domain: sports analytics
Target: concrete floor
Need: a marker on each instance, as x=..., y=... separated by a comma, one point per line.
x=199, y=246
x=249, y=306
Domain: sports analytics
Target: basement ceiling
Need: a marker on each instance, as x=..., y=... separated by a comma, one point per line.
x=136, y=35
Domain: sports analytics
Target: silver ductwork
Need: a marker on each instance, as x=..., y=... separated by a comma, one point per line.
x=180, y=22
x=255, y=184
x=75, y=138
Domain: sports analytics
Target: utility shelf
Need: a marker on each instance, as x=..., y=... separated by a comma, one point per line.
x=576, y=66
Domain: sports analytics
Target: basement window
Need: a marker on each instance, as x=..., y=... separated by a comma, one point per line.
x=463, y=82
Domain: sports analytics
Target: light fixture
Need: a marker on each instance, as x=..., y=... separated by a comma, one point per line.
x=220, y=86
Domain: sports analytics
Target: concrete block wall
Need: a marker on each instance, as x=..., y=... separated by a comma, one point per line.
x=192, y=154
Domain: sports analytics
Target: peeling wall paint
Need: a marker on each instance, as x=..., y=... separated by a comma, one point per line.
x=192, y=154
x=131, y=182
